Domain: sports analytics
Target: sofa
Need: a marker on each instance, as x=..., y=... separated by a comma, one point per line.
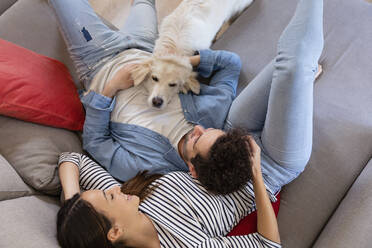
x=328, y=205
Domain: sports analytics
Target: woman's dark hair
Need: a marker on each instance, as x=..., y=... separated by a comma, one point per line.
x=79, y=225
x=227, y=167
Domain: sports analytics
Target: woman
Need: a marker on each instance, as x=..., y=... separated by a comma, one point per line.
x=178, y=212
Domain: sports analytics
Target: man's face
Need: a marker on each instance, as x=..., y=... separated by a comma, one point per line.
x=199, y=141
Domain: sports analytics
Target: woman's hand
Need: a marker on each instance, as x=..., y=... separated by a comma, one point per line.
x=120, y=81
x=255, y=158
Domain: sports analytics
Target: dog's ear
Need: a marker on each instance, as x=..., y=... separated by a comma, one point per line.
x=192, y=84
x=141, y=71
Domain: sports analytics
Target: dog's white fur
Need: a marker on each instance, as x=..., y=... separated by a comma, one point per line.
x=191, y=26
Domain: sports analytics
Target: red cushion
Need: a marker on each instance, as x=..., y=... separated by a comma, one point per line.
x=249, y=223
x=38, y=89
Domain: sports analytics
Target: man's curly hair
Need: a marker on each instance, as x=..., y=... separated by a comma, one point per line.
x=227, y=167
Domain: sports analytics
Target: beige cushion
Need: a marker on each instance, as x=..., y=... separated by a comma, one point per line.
x=11, y=185
x=28, y=222
x=33, y=151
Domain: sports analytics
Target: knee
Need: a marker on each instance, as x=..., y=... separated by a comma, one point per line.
x=297, y=163
x=301, y=53
x=295, y=66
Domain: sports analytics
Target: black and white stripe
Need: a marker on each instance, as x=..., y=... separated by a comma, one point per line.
x=183, y=212
x=92, y=175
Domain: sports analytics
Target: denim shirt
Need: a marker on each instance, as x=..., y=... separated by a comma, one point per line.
x=125, y=149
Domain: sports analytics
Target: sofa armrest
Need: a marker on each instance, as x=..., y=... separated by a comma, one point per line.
x=351, y=222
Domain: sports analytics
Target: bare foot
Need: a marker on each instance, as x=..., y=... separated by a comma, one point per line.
x=320, y=70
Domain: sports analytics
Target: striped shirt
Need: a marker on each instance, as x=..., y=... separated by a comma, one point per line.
x=182, y=211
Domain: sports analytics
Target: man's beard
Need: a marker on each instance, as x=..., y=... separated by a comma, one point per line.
x=184, y=151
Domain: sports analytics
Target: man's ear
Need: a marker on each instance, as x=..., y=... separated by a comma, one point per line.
x=141, y=71
x=114, y=233
x=192, y=169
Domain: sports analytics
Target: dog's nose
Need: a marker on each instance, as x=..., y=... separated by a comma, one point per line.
x=157, y=102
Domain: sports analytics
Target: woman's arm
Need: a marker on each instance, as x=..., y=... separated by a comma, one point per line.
x=69, y=176
x=267, y=225
x=79, y=171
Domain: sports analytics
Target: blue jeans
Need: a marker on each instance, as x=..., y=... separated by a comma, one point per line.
x=91, y=43
x=277, y=105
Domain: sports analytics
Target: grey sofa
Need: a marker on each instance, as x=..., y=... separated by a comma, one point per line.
x=327, y=206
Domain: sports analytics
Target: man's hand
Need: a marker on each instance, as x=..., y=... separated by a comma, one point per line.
x=255, y=158
x=195, y=60
x=120, y=81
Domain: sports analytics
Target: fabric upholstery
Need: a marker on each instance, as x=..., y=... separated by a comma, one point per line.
x=11, y=185
x=33, y=151
x=32, y=24
x=41, y=34
x=249, y=223
x=5, y=4
x=342, y=99
x=29, y=222
x=351, y=224
x=38, y=89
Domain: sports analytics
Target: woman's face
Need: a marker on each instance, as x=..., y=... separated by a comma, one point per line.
x=119, y=208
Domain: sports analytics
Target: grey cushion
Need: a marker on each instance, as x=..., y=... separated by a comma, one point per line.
x=33, y=151
x=342, y=99
x=5, y=4
x=28, y=222
x=11, y=185
x=32, y=24
x=351, y=224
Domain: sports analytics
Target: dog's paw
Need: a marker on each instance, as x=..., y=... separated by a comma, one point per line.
x=193, y=85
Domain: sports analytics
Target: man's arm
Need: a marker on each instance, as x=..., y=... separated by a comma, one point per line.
x=97, y=138
x=225, y=67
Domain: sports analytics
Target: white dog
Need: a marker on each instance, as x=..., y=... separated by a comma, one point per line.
x=191, y=26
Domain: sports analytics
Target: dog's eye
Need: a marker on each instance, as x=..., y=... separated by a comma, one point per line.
x=172, y=85
x=155, y=78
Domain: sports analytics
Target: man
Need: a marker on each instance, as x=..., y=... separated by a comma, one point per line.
x=140, y=138
x=276, y=107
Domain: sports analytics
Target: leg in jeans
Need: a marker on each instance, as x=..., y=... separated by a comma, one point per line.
x=286, y=138
x=249, y=109
x=89, y=40
x=142, y=21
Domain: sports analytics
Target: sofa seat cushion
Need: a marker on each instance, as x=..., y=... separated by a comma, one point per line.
x=342, y=105
x=39, y=89
x=11, y=185
x=352, y=221
x=33, y=151
x=29, y=222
